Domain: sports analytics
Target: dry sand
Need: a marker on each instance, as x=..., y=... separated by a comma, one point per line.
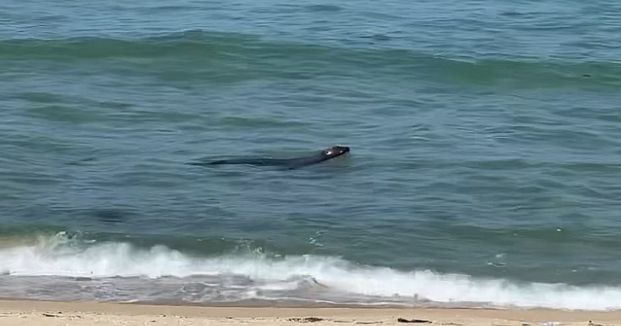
x=48, y=313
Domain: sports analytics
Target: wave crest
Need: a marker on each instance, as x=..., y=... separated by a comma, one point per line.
x=255, y=275
x=225, y=55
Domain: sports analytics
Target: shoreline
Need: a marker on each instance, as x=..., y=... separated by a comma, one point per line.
x=17, y=312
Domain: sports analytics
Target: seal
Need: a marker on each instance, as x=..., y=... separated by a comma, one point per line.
x=289, y=163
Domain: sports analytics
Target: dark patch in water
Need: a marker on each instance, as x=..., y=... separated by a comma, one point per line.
x=324, y=8
x=378, y=37
x=512, y=13
x=40, y=97
x=115, y=105
x=63, y=113
x=82, y=161
x=83, y=279
x=110, y=215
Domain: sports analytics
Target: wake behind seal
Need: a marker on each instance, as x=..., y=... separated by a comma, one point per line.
x=289, y=163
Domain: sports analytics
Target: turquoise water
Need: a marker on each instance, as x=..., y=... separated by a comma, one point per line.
x=484, y=167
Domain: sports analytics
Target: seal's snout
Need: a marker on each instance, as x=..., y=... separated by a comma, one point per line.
x=343, y=149
x=337, y=150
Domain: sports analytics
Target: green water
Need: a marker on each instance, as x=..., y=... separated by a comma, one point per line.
x=484, y=167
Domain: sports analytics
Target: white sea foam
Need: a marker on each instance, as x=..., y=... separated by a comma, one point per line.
x=57, y=256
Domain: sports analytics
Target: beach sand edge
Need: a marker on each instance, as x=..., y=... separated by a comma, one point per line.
x=79, y=313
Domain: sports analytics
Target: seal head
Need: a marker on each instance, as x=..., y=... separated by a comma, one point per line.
x=334, y=151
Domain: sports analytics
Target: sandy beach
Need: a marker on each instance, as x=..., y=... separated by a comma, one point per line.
x=48, y=313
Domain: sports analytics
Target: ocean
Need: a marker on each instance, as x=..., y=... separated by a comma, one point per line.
x=484, y=167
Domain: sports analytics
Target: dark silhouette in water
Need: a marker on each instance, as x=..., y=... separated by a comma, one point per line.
x=290, y=163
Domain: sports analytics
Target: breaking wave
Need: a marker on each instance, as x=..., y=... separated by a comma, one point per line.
x=61, y=259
